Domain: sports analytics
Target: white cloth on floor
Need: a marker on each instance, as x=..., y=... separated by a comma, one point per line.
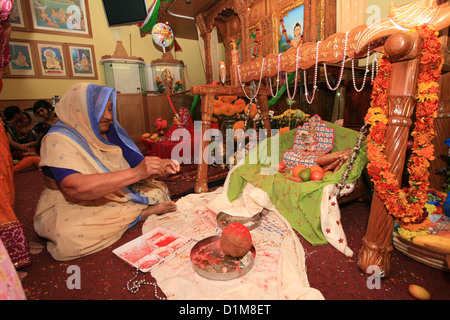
x=279, y=271
x=252, y=201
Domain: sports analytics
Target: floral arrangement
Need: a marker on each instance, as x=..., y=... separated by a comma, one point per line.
x=290, y=119
x=161, y=88
x=229, y=107
x=178, y=86
x=159, y=85
x=284, y=32
x=232, y=112
x=407, y=205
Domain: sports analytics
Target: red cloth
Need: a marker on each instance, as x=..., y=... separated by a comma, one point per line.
x=163, y=148
x=27, y=163
x=185, y=122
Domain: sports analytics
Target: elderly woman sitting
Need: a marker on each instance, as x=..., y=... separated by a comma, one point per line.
x=98, y=184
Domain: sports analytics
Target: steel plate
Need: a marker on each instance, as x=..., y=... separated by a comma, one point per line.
x=210, y=262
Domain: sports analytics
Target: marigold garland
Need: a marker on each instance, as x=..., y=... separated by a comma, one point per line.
x=406, y=205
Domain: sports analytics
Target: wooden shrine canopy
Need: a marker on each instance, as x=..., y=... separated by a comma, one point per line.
x=392, y=33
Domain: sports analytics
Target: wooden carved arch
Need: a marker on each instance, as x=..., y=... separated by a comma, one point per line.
x=206, y=21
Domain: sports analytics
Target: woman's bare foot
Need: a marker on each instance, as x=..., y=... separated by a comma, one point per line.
x=22, y=274
x=160, y=208
x=35, y=247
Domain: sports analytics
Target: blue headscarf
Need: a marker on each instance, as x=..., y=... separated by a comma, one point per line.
x=97, y=98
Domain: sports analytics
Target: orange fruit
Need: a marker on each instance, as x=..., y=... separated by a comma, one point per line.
x=316, y=168
x=316, y=175
x=297, y=169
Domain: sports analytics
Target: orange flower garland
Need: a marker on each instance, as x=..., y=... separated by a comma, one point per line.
x=406, y=205
x=228, y=106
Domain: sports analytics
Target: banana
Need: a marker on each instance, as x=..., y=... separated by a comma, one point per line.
x=432, y=241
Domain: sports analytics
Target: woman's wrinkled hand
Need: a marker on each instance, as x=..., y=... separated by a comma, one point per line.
x=172, y=166
x=151, y=167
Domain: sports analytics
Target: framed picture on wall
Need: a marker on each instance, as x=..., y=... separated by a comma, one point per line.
x=52, y=60
x=288, y=27
x=60, y=17
x=19, y=17
x=82, y=61
x=23, y=60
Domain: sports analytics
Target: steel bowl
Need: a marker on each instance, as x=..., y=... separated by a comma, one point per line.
x=217, y=265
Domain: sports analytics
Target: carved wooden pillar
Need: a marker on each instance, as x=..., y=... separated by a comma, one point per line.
x=314, y=27
x=228, y=48
x=377, y=243
x=266, y=29
x=208, y=64
x=244, y=16
x=307, y=22
x=207, y=108
x=235, y=62
x=264, y=107
x=206, y=36
x=330, y=18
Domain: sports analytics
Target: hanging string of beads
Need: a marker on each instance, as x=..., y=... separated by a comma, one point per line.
x=259, y=84
x=365, y=73
x=253, y=92
x=296, y=77
x=305, y=76
x=374, y=68
x=342, y=67
x=260, y=119
x=253, y=98
x=341, y=184
x=247, y=116
x=269, y=80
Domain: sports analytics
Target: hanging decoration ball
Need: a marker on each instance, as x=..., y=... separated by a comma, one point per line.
x=162, y=35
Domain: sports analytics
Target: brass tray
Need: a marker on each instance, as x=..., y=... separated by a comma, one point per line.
x=419, y=253
x=210, y=262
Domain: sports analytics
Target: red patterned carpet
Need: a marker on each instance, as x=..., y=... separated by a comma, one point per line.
x=104, y=276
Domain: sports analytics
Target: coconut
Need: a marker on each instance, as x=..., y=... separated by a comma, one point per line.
x=236, y=240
